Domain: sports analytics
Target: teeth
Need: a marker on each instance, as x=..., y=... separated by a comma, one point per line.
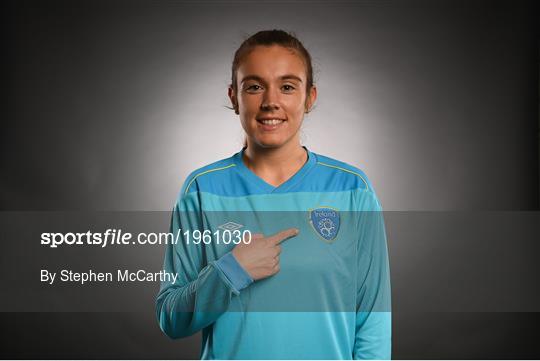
x=271, y=121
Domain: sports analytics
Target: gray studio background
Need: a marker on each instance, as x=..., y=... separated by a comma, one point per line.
x=112, y=104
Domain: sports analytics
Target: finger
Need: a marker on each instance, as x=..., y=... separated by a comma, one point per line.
x=254, y=236
x=283, y=235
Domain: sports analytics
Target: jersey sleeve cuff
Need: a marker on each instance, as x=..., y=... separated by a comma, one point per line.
x=234, y=272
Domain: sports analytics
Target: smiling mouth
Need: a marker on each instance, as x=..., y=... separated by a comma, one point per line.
x=270, y=121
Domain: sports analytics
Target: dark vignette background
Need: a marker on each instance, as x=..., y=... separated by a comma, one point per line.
x=101, y=95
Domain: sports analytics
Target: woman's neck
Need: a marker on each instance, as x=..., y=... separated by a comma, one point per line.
x=275, y=165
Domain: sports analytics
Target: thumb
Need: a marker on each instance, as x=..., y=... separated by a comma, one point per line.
x=253, y=236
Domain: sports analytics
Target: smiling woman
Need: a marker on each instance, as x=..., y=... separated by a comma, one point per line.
x=324, y=294
x=273, y=96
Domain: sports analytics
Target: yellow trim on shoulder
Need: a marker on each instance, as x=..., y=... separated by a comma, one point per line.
x=206, y=171
x=346, y=170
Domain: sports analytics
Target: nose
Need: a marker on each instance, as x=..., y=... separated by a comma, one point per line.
x=270, y=100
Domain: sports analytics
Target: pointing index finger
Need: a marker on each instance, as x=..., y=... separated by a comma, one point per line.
x=283, y=235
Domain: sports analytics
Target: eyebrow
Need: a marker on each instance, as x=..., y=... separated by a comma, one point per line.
x=258, y=78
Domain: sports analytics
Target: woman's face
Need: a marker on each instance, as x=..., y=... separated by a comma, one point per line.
x=271, y=95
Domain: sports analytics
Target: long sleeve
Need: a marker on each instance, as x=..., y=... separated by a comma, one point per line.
x=373, y=338
x=202, y=291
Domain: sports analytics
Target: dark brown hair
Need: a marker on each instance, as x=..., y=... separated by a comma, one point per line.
x=269, y=38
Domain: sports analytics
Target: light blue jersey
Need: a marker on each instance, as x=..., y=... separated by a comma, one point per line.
x=331, y=297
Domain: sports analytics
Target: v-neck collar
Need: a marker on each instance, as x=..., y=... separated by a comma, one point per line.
x=262, y=184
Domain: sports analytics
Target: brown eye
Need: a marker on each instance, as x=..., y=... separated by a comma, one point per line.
x=253, y=88
x=288, y=88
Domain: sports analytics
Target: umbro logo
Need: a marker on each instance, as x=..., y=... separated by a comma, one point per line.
x=230, y=226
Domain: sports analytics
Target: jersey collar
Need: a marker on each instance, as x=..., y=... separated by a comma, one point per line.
x=266, y=187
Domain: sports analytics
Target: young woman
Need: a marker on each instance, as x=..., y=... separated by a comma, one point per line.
x=310, y=280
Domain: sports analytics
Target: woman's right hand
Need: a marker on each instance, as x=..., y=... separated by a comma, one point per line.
x=260, y=257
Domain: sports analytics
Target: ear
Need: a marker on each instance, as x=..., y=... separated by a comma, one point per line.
x=310, y=98
x=234, y=100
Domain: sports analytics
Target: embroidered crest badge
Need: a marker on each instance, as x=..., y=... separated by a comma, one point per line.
x=325, y=221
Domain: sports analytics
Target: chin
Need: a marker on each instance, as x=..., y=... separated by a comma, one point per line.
x=267, y=143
